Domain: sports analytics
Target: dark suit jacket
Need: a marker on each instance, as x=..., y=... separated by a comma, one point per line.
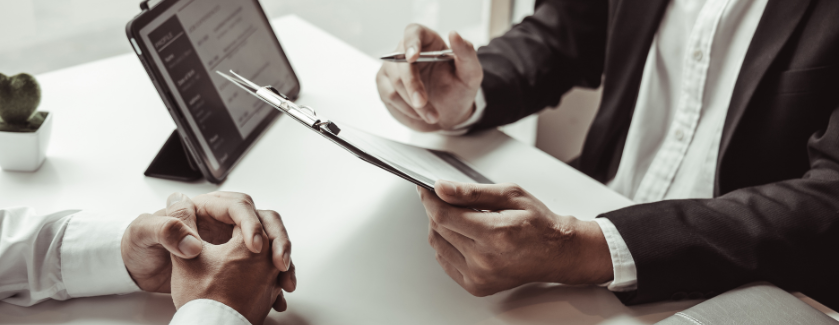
x=775, y=215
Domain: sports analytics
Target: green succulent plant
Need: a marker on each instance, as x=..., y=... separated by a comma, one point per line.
x=20, y=96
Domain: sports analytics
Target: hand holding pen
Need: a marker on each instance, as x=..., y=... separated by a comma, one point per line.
x=427, y=94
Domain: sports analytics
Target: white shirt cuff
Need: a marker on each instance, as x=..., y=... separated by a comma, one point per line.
x=91, y=259
x=480, y=107
x=623, y=266
x=207, y=312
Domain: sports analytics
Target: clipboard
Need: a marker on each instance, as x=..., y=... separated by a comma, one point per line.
x=417, y=165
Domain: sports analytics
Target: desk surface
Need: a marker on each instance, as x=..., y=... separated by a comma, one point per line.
x=359, y=233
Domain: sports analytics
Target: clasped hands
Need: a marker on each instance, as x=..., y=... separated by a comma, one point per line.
x=214, y=246
x=512, y=239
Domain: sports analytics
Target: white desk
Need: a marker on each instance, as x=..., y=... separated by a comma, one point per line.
x=359, y=233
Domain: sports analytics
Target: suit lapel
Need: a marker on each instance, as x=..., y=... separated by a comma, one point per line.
x=779, y=20
x=632, y=26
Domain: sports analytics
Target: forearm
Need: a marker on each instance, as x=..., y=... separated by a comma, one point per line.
x=531, y=66
x=593, y=252
x=579, y=253
x=30, y=256
x=783, y=233
x=38, y=261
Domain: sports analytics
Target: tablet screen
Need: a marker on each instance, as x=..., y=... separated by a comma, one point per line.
x=192, y=39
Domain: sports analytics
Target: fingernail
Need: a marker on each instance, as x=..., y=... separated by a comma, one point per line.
x=410, y=52
x=417, y=100
x=418, y=190
x=257, y=243
x=174, y=198
x=190, y=246
x=431, y=117
x=287, y=260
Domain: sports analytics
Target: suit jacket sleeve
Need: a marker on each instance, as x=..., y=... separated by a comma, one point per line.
x=786, y=233
x=531, y=66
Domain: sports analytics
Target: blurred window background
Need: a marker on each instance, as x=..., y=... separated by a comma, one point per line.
x=37, y=36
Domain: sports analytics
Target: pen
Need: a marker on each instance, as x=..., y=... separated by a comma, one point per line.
x=434, y=56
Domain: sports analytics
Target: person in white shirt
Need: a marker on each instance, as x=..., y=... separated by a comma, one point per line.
x=719, y=117
x=223, y=261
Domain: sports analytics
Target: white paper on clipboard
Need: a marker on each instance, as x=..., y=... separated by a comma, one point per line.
x=429, y=163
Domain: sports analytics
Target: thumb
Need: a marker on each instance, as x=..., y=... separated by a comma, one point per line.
x=176, y=236
x=482, y=196
x=466, y=62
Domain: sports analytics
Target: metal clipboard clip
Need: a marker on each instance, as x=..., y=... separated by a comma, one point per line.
x=272, y=96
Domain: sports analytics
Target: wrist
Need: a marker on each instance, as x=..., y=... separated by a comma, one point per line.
x=148, y=267
x=463, y=124
x=584, y=258
x=470, y=116
x=595, y=258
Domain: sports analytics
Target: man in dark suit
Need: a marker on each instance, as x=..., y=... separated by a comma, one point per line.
x=720, y=116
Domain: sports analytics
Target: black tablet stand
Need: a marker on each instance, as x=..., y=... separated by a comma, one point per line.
x=174, y=162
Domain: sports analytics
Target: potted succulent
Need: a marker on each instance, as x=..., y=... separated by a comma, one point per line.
x=24, y=133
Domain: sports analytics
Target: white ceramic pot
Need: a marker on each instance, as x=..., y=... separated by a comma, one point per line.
x=25, y=151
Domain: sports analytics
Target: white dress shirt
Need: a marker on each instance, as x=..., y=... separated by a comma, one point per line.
x=74, y=254
x=674, y=137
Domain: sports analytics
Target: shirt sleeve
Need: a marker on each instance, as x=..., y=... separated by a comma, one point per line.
x=623, y=266
x=463, y=128
x=60, y=256
x=91, y=258
x=207, y=312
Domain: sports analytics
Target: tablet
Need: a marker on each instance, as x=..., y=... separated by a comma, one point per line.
x=180, y=42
